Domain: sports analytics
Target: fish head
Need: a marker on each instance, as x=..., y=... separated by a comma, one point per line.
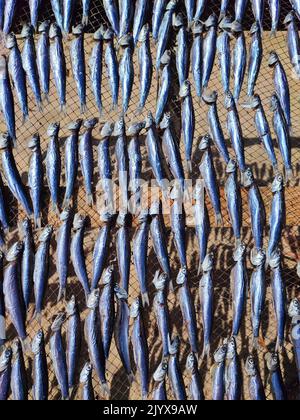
x=255, y=28
x=135, y=129
x=155, y=208
x=197, y=27
x=199, y=193
x=258, y=257
x=290, y=17
x=25, y=227
x=231, y=348
x=160, y=280
x=208, y=263
x=229, y=101
x=16, y=346
x=248, y=178
x=106, y=217
x=250, y=366
x=182, y=276
x=93, y=299
x=86, y=373
x=15, y=251
x=185, y=89
x=58, y=321
x=166, y=121
x=107, y=130
x=275, y=103
x=79, y=221
x=236, y=27
x=108, y=275
x=226, y=23
x=171, y=5
x=294, y=308
x=220, y=354
x=53, y=130
x=231, y=167
x=126, y=41
x=120, y=292
x=275, y=259
x=143, y=216
x=178, y=20
x=91, y=123
x=119, y=129
x=37, y=342
x=278, y=184
x=273, y=59
x=5, y=358
x=35, y=142
x=161, y=372
x=46, y=234
x=122, y=219
x=212, y=21
x=240, y=252
x=78, y=30
x=75, y=126
x=149, y=121
x=205, y=143
x=166, y=58
x=145, y=33
x=174, y=346
x=71, y=307
x=66, y=214
x=191, y=363
x=44, y=27
x=98, y=35
x=27, y=31
x=55, y=31
x=272, y=360
x=253, y=103
x=5, y=139
x=11, y=41
x=210, y=97
x=108, y=35
x=135, y=308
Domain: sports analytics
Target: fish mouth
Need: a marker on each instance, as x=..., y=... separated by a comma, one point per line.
x=135, y=129
x=98, y=35
x=236, y=27
x=277, y=183
x=171, y=5
x=119, y=128
x=257, y=257
x=290, y=17
x=75, y=125
x=27, y=31
x=166, y=121
x=248, y=178
x=78, y=30
x=145, y=32
x=79, y=221
x=226, y=23
x=125, y=41
x=231, y=167
x=89, y=124
x=5, y=140
x=274, y=103
x=34, y=142
x=273, y=59
x=107, y=130
x=254, y=28
x=212, y=21
x=166, y=58
x=197, y=27
x=14, y=251
x=108, y=34
x=205, y=142
x=44, y=26
x=53, y=129
x=229, y=101
x=210, y=97
x=160, y=373
x=54, y=31
x=149, y=121
x=178, y=21
x=185, y=89
x=253, y=103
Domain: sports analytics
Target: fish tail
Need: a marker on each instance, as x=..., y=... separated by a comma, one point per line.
x=25, y=118
x=90, y=200
x=189, y=166
x=66, y=203
x=279, y=344
x=139, y=110
x=273, y=33
x=131, y=378
x=255, y=344
x=289, y=174
x=38, y=221
x=171, y=285
x=55, y=208
x=145, y=299
x=238, y=242
x=40, y=106
x=205, y=352
x=219, y=219
x=46, y=97
x=26, y=345
x=105, y=389
x=85, y=20
x=83, y=108
x=63, y=108
x=61, y=294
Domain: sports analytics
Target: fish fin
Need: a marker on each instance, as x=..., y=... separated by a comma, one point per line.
x=26, y=345
x=40, y=106
x=85, y=20
x=145, y=299
x=37, y=316
x=105, y=390
x=219, y=220
x=63, y=109
x=83, y=108
x=131, y=378
x=61, y=294
x=206, y=351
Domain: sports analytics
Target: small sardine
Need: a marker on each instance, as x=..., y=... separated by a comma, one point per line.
x=239, y=284
x=275, y=377
x=19, y=386
x=73, y=341
x=36, y=178
x=255, y=385
x=6, y=99
x=96, y=68
x=160, y=303
x=27, y=264
x=234, y=200
x=53, y=165
x=112, y=66
x=86, y=382
x=40, y=368
x=195, y=387
x=218, y=373
x=257, y=292
x=78, y=65
x=140, y=254
x=43, y=58
x=58, y=64
x=174, y=372
x=206, y=292
x=107, y=309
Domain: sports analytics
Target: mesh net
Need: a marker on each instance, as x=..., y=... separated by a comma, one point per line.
x=221, y=239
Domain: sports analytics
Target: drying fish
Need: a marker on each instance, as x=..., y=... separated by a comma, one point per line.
x=126, y=14
x=187, y=121
x=235, y=131
x=200, y=7
x=58, y=356
x=126, y=71
x=94, y=341
x=223, y=9
x=73, y=341
x=7, y=100
x=281, y=88
x=155, y=153
x=63, y=251
x=17, y=74
x=86, y=5
x=195, y=387
x=274, y=6
x=161, y=283
x=240, y=10
x=58, y=64
x=239, y=59
x=233, y=374
x=19, y=386
x=164, y=32
x=104, y=165
x=27, y=264
x=279, y=296
x=58, y=13
x=78, y=65
x=157, y=17
x=202, y=223
x=182, y=50
x=121, y=333
x=9, y=14
x=140, y=347
x=159, y=240
x=77, y=252
x=159, y=377
x=2, y=6
x=209, y=176
x=257, y=209
x=35, y=178
x=112, y=13
x=101, y=250
x=255, y=60
x=190, y=9
x=178, y=225
x=188, y=310
x=206, y=292
x=40, y=368
x=86, y=381
x=296, y=6
x=41, y=270
x=43, y=58
x=278, y=215
x=209, y=49
x=107, y=309
x=234, y=200
x=13, y=298
x=263, y=129
x=215, y=127
x=2, y=304
x=30, y=63
x=165, y=86
x=71, y=161
x=196, y=56
x=141, y=8
x=135, y=164
x=140, y=253
x=218, y=373
x=12, y=174
x=257, y=292
x=239, y=283
x=275, y=377
x=283, y=137
x=294, y=313
x=3, y=208
x=293, y=42
x=145, y=66
x=255, y=384
x=112, y=66
x=223, y=48
x=53, y=164
x=5, y=373
x=174, y=372
x=96, y=68
x=258, y=7
x=86, y=158
x=69, y=6
x=122, y=162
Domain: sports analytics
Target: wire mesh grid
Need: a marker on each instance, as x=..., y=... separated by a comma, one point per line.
x=221, y=239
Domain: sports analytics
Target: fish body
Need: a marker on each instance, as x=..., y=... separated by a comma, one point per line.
x=53, y=165
x=195, y=387
x=6, y=99
x=36, y=178
x=239, y=283
x=293, y=42
x=296, y=7
x=239, y=62
x=200, y=7
x=206, y=293
x=274, y=7
x=159, y=241
x=279, y=297
x=68, y=14
x=5, y=373
x=40, y=368
x=255, y=385
x=86, y=158
x=223, y=48
x=294, y=313
x=161, y=310
x=218, y=373
x=196, y=56
x=86, y=5
x=187, y=121
x=135, y=164
x=9, y=14
x=105, y=166
x=73, y=341
x=27, y=264
x=209, y=49
x=19, y=384
x=112, y=67
x=122, y=163
x=58, y=13
x=164, y=32
x=140, y=253
x=255, y=60
x=258, y=7
x=78, y=65
x=2, y=304
x=126, y=16
x=278, y=215
x=157, y=17
x=141, y=8
x=257, y=293
x=112, y=13
x=233, y=374
x=43, y=58
x=178, y=226
x=58, y=64
x=202, y=224
x=223, y=9
x=190, y=10
x=123, y=255
x=160, y=391
x=107, y=310
x=234, y=200
x=174, y=372
x=164, y=88
x=86, y=381
x=96, y=69
x=145, y=66
x=240, y=10
x=63, y=251
x=182, y=50
x=275, y=377
x=126, y=70
x=100, y=253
